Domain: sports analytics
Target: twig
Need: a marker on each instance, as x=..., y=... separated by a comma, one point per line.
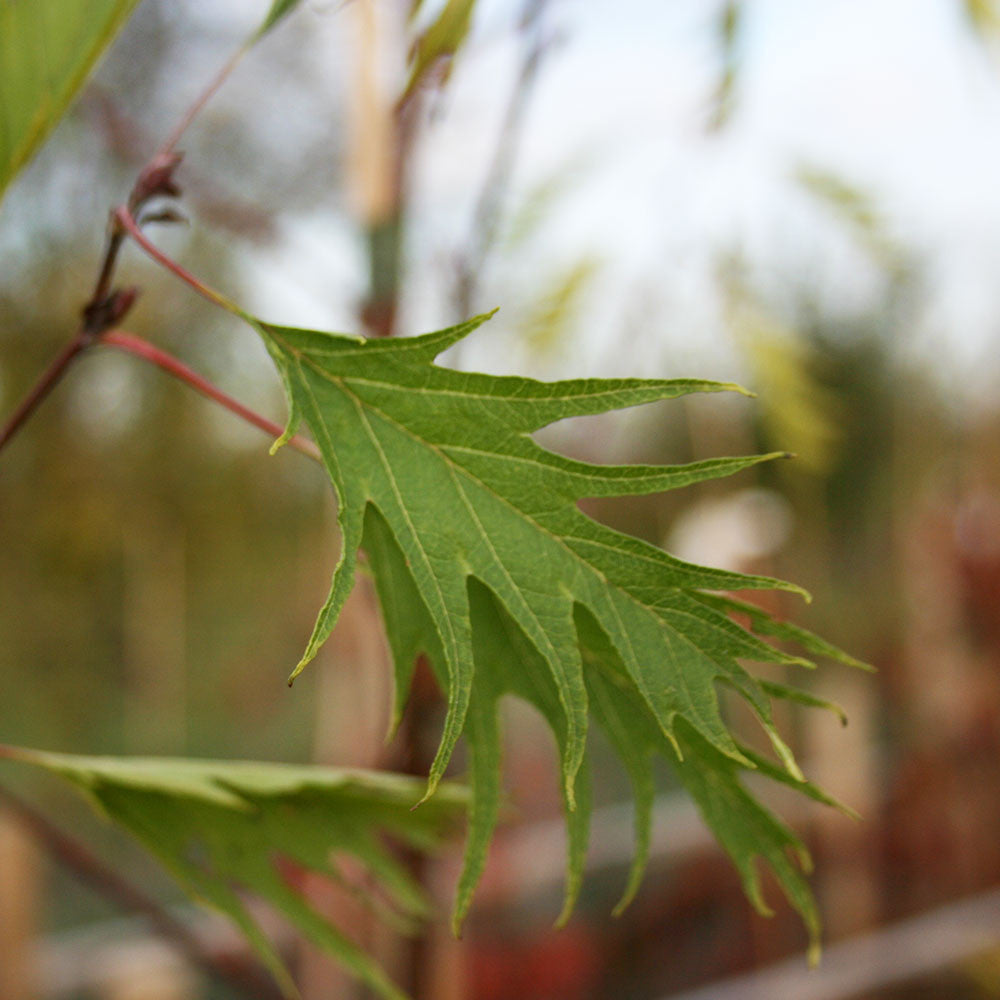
x=167, y=362
x=107, y=306
x=124, y=217
x=45, y=384
x=170, y=144
x=246, y=979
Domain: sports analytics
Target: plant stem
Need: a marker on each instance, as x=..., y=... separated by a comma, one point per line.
x=102, y=310
x=209, y=91
x=45, y=384
x=149, y=352
x=236, y=973
x=129, y=224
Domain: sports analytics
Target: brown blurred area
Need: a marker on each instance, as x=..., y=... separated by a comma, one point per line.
x=159, y=573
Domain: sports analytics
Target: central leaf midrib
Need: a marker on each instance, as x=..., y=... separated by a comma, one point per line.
x=457, y=468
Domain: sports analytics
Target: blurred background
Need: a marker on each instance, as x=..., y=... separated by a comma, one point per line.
x=799, y=197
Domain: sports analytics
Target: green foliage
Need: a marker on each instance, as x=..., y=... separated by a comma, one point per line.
x=550, y=319
x=442, y=39
x=484, y=562
x=797, y=409
x=47, y=49
x=279, y=9
x=227, y=827
x=982, y=15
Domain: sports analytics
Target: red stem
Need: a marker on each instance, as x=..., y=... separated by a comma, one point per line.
x=46, y=382
x=129, y=224
x=170, y=144
x=149, y=352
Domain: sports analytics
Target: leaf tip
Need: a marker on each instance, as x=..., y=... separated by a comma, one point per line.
x=286, y=435
x=814, y=953
x=433, y=781
x=300, y=666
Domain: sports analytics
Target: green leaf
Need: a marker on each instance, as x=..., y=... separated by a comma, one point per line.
x=983, y=15
x=224, y=828
x=279, y=9
x=442, y=39
x=484, y=562
x=47, y=49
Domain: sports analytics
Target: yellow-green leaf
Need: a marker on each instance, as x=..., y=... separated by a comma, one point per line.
x=47, y=49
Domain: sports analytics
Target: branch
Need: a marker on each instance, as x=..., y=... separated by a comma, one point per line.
x=245, y=978
x=209, y=91
x=46, y=383
x=124, y=217
x=149, y=352
x=106, y=306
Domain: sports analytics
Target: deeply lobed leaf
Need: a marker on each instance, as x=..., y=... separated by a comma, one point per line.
x=485, y=563
x=227, y=828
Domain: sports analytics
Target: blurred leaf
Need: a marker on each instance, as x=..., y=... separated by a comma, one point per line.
x=855, y=208
x=727, y=31
x=796, y=408
x=484, y=562
x=763, y=623
x=554, y=314
x=227, y=827
x=441, y=40
x=800, y=697
x=47, y=49
x=539, y=201
x=278, y=10
x=983, y=15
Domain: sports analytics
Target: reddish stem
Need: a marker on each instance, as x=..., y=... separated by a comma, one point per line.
x=46, y=382
x=129, y=224
x=149, y=352
x=170, y=144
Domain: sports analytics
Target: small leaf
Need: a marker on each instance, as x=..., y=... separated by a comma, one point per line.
x=47, y=50
x=441, y=40
x=224, y=828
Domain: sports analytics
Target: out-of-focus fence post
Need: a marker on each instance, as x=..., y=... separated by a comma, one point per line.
x=20, y=899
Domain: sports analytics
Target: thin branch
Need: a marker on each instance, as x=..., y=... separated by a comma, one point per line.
x=128, y=222
x=45, y=384
x=167, y=362
x=245, y=978
x=170, y=144
x=106, y=306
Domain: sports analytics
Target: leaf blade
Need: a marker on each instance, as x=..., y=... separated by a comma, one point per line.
x=47, y=50
x=219, y=826
x=484, y=563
